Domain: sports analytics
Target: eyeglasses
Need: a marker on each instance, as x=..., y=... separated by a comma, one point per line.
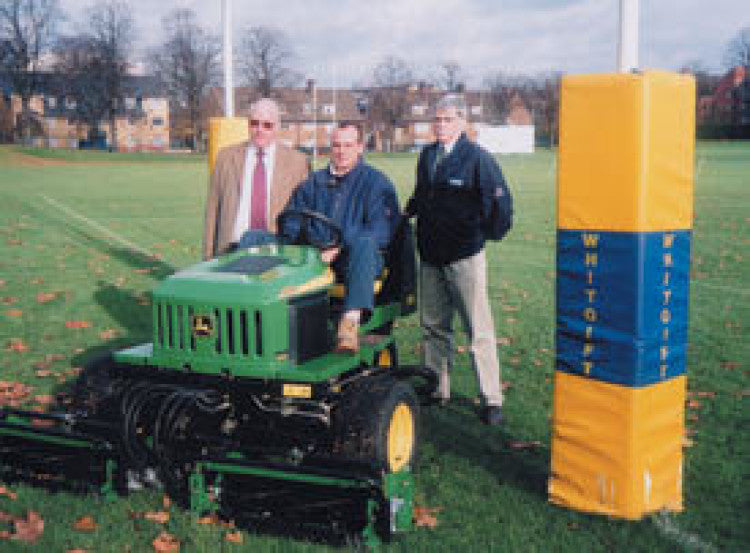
x=267, y=125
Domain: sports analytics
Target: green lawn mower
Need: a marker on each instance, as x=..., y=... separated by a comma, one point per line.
x=239, y=405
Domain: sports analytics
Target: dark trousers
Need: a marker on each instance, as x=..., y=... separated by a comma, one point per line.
x=358, y=265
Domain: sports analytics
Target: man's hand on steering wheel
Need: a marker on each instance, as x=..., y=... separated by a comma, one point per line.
x=330, y=249
x=329, y=255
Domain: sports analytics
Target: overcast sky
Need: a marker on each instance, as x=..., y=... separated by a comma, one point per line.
x=341, y=40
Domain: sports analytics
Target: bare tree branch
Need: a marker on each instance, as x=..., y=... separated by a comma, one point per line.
x=738, y=49
x=265, y=60
x=27, y=29
x=186, y=63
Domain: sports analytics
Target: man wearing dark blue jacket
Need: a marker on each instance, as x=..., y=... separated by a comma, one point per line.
x=460, y=200
x=363, y=202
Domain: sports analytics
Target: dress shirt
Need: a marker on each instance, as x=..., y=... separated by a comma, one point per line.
x=242, y=221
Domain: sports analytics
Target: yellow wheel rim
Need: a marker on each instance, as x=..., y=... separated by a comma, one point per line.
x=384, y=359
x=400, y=437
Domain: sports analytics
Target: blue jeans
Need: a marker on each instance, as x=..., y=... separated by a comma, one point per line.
x=357, y=266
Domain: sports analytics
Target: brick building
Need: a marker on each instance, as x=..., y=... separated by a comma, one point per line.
x=141, y=122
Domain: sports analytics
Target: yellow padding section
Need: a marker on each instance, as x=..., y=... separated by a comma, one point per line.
x=617, y=450
x=338, y=290
x=223, y=132
x=626, y=150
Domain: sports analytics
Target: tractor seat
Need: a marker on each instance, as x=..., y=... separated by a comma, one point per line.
x=338, y=290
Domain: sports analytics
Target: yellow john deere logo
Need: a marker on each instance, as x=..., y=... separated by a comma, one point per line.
x=202, y=325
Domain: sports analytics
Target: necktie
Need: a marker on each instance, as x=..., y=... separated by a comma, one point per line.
x=258, y=201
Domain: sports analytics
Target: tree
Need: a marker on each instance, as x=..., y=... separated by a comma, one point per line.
x=80, y=65
x=390, y=94
x=738, y=49
x=452, y=76
x=186, y=63
x=111, y=31
x=27, y=29
x=265, y=59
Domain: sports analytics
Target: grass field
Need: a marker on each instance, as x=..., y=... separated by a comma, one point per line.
x=85, y=236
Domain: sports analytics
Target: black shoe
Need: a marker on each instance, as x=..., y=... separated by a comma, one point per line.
x=492, y=415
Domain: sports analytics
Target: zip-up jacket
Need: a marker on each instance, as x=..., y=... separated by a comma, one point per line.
x=362, y=202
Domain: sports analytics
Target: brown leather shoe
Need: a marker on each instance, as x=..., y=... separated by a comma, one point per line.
x=348, y=336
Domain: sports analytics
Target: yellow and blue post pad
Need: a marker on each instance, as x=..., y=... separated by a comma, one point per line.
x=624, y=216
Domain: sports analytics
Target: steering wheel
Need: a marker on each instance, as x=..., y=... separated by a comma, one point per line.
x=307, y=216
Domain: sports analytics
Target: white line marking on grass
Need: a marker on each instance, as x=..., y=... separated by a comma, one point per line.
x=690, y=542
x=104, y=230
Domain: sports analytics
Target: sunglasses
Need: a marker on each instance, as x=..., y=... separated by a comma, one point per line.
x=267, y=125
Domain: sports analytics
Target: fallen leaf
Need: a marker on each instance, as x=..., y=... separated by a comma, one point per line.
x=503, y=341
x=108, y=334
x=38, y=280
x=208, y=519
x=687, y=442
x=506, y=385
x=166, y=543
x=77, y=551
x=461, y=349
x=44, y=297
x=6, y=517
x=85, y=524
x=162, y=517
x=729, y=365
x=693, y=404
x=30, y=529
x=705, y=394
x=234, y=537
x=5, y=535
x=692, y=417
x=511, y=320
x=16, y=344
x=573, y=526
x=77, y=324
x=166, y=502
x=143, y=270
x=2, y=282
x=44, y=373
x=9, y=300
x=524, y=444
x=14, y=313
x=8, y=493
x=425, y=516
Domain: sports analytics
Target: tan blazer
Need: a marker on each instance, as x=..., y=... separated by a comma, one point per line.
x=290, y=168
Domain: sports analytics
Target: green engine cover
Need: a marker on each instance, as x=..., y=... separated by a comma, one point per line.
x=231, y=314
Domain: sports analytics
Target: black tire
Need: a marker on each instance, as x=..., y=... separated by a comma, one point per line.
x=379, y=423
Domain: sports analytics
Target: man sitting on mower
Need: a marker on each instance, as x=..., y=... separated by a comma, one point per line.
x=363, y=203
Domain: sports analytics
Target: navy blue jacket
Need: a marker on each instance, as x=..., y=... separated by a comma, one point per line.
x=454, y=201
x=363, y=203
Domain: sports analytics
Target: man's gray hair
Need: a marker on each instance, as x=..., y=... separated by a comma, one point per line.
x=456, y=101
x=266, y=104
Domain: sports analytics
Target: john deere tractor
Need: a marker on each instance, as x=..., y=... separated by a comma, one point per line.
x=239, y=406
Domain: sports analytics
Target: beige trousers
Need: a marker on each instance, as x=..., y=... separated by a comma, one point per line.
x=460, y=286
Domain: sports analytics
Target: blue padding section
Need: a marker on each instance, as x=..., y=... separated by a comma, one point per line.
x=623, y=317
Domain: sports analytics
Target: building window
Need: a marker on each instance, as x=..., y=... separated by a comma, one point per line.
x=51, y=102
x=70, y=103
x=476, y=110
x=158, y=142
x=328, y=109
x=157, y=121
x=418, y=109
x=306, y=108
x=129, y=103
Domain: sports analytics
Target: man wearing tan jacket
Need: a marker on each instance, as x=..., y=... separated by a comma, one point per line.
x=251, y=182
